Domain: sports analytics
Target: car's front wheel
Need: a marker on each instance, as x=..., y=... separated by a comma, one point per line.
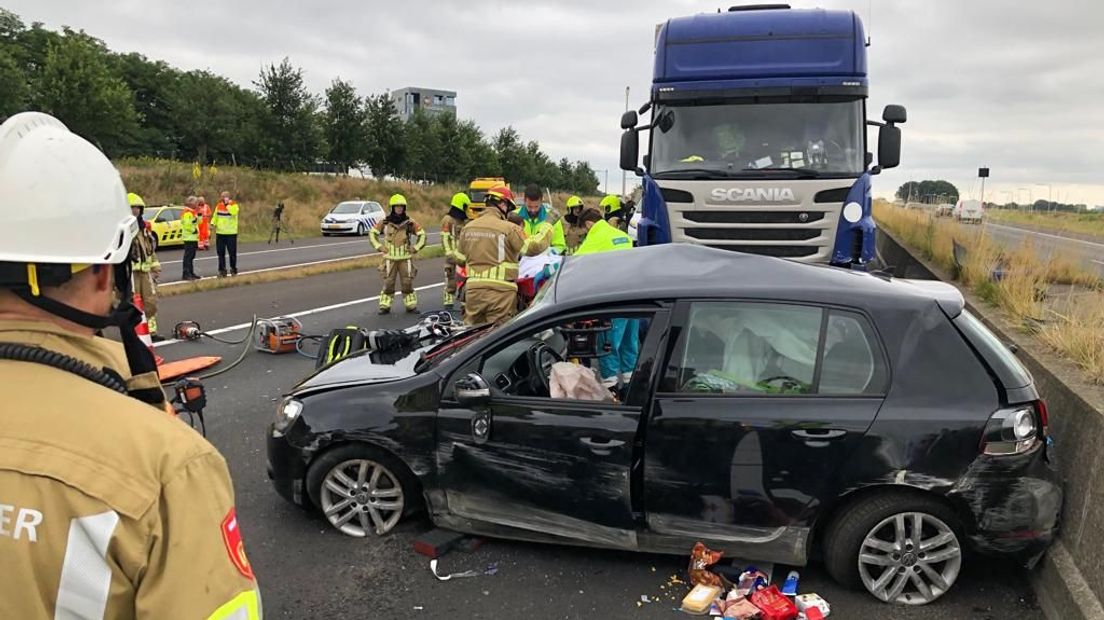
x=903, y=548
x=360, y=489
x=361, y=230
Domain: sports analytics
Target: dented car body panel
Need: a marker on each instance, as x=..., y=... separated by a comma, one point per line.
x=758, y=476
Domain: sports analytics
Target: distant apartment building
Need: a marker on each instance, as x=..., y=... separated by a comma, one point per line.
x=429, y=100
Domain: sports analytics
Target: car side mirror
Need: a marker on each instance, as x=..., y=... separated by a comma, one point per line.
x=630, y=150
x=472, y=391
x=629, y=119
x=894, y=113
x=889, y=146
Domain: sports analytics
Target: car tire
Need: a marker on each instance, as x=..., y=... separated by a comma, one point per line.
x=378, y=517
x=857, y=553
x=325, y=234
x=361, y=230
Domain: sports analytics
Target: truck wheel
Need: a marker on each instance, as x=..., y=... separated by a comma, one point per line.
x=902, y=547
x=361, y=489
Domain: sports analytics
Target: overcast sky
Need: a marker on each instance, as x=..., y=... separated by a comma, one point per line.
x=1017, y=86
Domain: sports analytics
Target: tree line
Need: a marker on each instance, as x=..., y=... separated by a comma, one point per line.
x=131, y=106
x=928, y=191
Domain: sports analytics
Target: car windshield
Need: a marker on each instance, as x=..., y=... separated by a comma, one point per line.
x=758, y=140
x=346, y=208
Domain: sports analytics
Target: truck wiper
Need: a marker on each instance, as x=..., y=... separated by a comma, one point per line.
x=798, y=173
x=693, y=174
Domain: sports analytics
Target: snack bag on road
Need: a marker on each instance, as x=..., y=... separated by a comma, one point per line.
x=773, y=605
x=701, y=558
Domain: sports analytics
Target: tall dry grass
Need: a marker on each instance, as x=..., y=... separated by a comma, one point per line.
x=306, y=197
x=1015, y=280
x=1091, y=223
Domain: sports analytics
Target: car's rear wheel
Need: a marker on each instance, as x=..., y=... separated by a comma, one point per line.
x=360, y=489
x=903, y=548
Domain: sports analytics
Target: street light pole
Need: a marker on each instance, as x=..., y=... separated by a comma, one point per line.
x=623, y=172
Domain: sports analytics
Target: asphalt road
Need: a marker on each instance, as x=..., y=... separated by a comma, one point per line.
x=308, y=570
x=260, y=255
x=1088, y=252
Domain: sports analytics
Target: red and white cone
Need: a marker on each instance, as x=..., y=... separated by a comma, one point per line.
x=143, y=330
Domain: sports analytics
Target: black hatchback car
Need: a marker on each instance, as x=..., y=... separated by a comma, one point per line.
x=779, y=411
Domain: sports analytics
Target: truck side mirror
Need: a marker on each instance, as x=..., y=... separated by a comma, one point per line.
x=889, y=146
x=628, y=119
x=894, y=114
x=630, y=150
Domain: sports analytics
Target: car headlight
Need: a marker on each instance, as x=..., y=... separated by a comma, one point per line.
x=286, y=413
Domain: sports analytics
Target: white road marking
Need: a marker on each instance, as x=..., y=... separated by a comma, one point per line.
x=1098, y=262
x=289, y=249
x=1052, y=236
x=301, y=313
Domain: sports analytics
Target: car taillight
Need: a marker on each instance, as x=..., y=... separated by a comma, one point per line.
x=1044, y=417
x=1014, y=430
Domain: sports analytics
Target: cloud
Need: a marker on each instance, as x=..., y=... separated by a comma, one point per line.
x=1015, y=86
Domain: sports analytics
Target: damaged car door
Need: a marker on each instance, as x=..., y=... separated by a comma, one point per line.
x=760, y=405
x=541, y=468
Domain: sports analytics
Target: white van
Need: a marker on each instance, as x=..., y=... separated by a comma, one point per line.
x=969, y=211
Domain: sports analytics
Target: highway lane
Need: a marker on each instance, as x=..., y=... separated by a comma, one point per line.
x=260, y=255
x=308, y=570
x=1087, y=252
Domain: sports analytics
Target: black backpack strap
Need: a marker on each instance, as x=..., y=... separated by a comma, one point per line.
x=37, y=355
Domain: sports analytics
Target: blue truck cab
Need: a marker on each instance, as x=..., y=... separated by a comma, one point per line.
x=757, y=140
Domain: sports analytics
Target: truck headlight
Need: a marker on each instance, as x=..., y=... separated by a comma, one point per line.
x=286, y=413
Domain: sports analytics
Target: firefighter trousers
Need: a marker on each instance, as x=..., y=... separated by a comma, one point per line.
x=488, y=304
x=147, y=291
x=404, y=271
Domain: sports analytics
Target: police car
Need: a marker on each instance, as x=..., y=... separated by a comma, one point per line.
x=352, y=217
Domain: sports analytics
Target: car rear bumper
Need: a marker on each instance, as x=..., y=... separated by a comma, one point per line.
x=1015, y=503
x=286, y=468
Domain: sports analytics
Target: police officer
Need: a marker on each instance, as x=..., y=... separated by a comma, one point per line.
x=451, y=225
x=574, y=231
x=492, y=248
x=226, y=233
x=402, y=239
x=144, y=266
x=189, y=234
x=110, y=507
x=624, y=335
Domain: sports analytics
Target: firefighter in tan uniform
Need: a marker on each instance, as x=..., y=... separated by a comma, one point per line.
x=109, y=507
x=451, y=225
x=574, y=230
x=402, y=239
x=492, y=247
x=145, y=268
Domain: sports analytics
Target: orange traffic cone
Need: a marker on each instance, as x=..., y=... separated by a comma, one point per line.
x=143, y=330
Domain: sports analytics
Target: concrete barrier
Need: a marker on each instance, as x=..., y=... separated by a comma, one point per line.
x=1069, y=581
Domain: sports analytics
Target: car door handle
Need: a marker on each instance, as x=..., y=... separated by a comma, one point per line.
x=819, y=434
x=600, y=446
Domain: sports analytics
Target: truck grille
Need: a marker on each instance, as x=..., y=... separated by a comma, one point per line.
x=780, y=251
x=752, y=234
x=753, y=217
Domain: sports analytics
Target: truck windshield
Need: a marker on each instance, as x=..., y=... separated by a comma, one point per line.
x=758, y=140
x=477, y=195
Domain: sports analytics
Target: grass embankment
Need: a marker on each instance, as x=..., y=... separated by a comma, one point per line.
x=1081, y=223
x=306, y=197
x=1071, y=321
x=289, y=273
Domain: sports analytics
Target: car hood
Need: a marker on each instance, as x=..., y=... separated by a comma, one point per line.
x=365, y=367
x=342, y=217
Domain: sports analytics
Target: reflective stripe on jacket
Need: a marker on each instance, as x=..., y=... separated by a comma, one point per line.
x=189, y=229
x=549, y=216
x=492, y=247
x=226, y=218
x=396, y=243
x=142, y=256
x=604, y=238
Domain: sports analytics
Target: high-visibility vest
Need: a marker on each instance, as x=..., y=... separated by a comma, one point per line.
x=226, y=218
x=533, y=226
x=604, y=238
x=189, y=229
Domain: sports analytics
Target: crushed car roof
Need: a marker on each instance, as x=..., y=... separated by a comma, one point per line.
x=681, y=270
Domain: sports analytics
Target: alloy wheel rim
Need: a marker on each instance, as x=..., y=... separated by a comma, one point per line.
x=910, y=558
x=361, y=496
